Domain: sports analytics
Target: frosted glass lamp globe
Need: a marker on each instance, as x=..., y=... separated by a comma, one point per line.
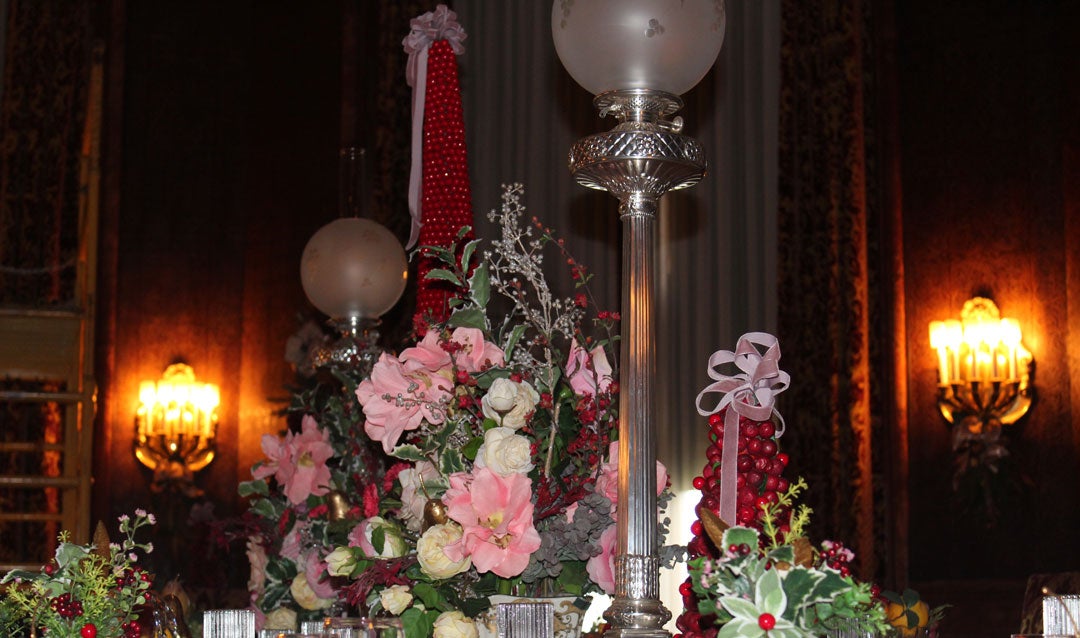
x=353, y=268
x=665, y=45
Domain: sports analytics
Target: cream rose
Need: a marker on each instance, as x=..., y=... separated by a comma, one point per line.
x=340, y=562
x=429, y=551
x=505, y=452
x=256, y=554
x=305, y=596
x=454, y=624
x=282, y=619
x=508, y=403
x=395, y=599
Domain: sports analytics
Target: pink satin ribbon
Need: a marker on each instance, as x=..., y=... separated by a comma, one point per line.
x=440, y=24
x=750, y=393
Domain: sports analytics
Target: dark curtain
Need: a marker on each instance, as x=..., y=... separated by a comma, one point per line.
x=47, y=58
x=835, y=274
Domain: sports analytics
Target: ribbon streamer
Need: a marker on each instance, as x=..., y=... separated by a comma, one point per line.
x=750, y=393
x=440, y=24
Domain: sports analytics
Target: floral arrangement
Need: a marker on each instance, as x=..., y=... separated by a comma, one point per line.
x=478, y=461
x=773, y=582
x=86, y=591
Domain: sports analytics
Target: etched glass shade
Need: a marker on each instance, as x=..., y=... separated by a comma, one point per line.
x=666, y=45
x=353, y=268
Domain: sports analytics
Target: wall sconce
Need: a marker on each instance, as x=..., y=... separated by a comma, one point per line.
x=175, y=428
x=984, y=370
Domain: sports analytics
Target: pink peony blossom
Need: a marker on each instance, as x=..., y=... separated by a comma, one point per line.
x=475, y=354
x=607, y=484
x=588, y=372
x=495, y=513
x=601, y=568
x=428, y=354
x=298, y=462
x=396, y=399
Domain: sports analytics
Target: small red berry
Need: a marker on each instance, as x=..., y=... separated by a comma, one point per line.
x=89, y=630
x=766, y=621
x=699, y=482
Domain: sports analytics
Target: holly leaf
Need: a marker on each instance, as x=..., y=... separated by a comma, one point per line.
x=408, y=452
x=480, y=286
x=468, y=318
x=467, y=253
x=443, y=274
x=257, y=486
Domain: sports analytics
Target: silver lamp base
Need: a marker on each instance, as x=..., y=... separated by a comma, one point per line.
x=638, y=161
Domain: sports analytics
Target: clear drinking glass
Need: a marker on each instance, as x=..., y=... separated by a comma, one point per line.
x=1061, y=614
x=525, y=620
x=228, y=623
x=375, y=627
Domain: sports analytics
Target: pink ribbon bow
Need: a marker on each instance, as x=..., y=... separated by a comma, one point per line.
x=440, y=24
x=750, y=393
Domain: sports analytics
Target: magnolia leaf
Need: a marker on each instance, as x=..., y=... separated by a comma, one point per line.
x=444, y=274
x=468, y=318
x=480, y=286
x=909, y=598
x=257, y=486
x=408, y=452
x=804, y=552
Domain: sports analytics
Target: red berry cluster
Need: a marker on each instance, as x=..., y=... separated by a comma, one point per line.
x=759, y=482
x=131, y=576
x=836, y=556
x=66, y=607
x=132, y=629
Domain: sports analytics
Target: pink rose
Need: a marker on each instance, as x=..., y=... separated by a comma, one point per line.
x=601, y=567
x=495, y=513
x=426, y=355
x=475, y=354
x=607, y=484
x=298, y=462
x=293, y=542
x=317, y=578
x=258, y=560
x=396, y=399
x=588, y=372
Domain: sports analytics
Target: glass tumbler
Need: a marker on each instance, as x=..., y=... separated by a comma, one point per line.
x=375, y=627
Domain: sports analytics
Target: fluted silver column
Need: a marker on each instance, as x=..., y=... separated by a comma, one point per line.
x=638, y=161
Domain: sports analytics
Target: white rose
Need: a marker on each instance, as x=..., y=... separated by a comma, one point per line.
x=454, y=624
x=508, y=402
x=395, y=599
x=429, y=551
x=282, y=618
x=504, y=452
x=305, y=596
x=340, y=562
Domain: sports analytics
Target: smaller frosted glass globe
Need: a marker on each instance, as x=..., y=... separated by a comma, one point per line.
x=666, y=45
x=353, y=267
